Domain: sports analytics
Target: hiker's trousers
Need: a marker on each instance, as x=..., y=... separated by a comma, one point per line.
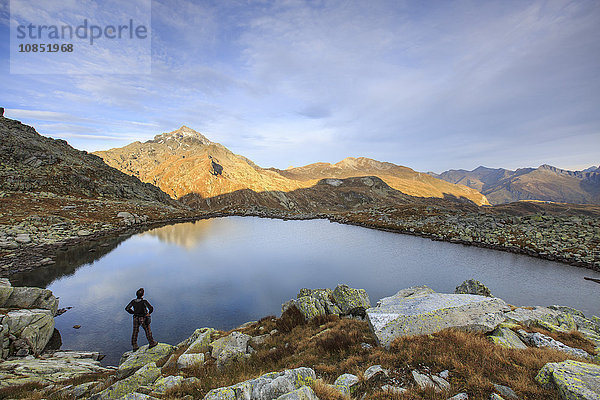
x=145, y=323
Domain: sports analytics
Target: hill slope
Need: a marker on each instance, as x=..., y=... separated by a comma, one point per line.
x=545, y=183
x=34, y=163
x=185, y=162
x=397, y=177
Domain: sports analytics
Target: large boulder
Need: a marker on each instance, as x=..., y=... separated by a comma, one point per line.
x=142, y=377
x=308, y=306
x=132, y=361
x=230, y=348
x=574, y=380
x=33, y=327
x=266, y=387
x=350, y=300
x=471, y=286
x=199, y=340
x=343, y=300
x=419, y=310
x=26, y=297
x=324, y=297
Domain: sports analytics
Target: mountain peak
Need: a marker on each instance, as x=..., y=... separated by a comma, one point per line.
x=181, y=134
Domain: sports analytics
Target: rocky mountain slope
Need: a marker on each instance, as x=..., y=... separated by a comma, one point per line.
x=184, y=162
x=401, y=178
x=30, y=162
x=546, y=183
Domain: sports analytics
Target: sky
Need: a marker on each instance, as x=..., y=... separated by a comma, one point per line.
x=432, y=85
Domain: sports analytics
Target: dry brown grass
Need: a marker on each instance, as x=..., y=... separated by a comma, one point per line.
x=332, y=346
x=31, y=391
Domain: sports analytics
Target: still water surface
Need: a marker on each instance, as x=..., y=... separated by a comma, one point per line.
x=223, y=272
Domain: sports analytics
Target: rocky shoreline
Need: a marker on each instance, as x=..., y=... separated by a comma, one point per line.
x=38, y=238
x=309, y=330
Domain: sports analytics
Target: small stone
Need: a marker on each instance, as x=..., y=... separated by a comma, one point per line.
x=373, y=372
x=76, y=326
x=460, y=396
x=393, y=389
x=505, y=391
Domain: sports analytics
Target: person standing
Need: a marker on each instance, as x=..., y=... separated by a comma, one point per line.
x=141, y=310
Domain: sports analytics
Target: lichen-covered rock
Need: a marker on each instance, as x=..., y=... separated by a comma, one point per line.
x=48, y=371
x=34, y=327
x=162, y=384
x=573, y=379
x=304, y=393
x=137, y=396
x=346, y=384
x=143, y=376
x=506, y=338
x=230, y=348
x=190, y=360
x=418, y=310
x=132, y=361
x=350, y=300
x=201, y=341
x=201, y=335
x=325, y=298
x=537, y=339
x=266, y=387
x=471, y=286
x=309, y=306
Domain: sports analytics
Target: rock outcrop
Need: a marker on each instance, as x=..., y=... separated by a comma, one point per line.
x=472, y=286
x=266, y=387
x=143, y=376
x=26, y=297
x=26, y=319
x=419, y=310
x=574, y=380
x=230, y=348
x=49, y=368
x=343, y=300
x=131, y=361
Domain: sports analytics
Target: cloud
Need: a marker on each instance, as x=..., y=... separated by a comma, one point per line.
x=450, y=85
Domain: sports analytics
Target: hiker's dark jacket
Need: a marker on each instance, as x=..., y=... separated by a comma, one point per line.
x=139, y=307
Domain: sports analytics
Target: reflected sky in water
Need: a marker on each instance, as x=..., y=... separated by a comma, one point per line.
x=223, y=272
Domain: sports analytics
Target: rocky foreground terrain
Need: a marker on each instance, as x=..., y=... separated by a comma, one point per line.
x=327, y=344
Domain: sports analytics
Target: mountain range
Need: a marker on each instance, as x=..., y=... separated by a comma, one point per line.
x=188, y=166
x=545, y=183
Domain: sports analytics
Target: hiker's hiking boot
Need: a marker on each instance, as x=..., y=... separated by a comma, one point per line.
x=151, y=345
x=135, y=348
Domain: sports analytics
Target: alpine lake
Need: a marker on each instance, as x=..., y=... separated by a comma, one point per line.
x=224, y=272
